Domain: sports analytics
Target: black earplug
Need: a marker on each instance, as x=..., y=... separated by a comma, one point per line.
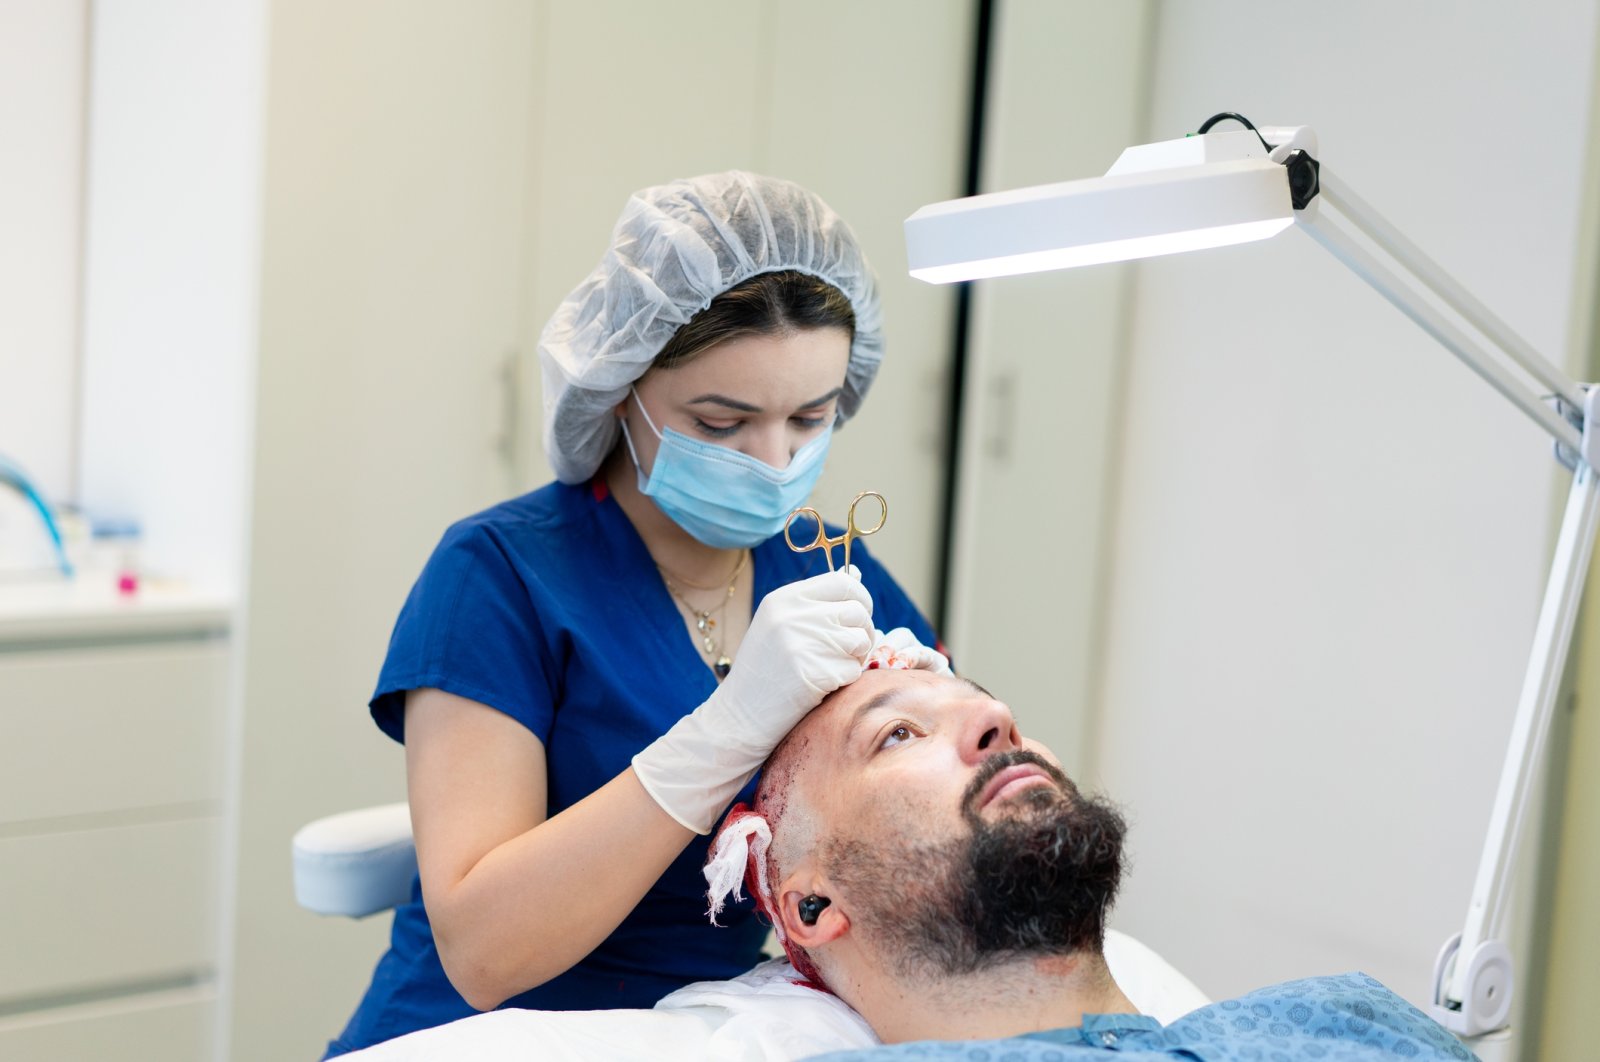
x=811, y=909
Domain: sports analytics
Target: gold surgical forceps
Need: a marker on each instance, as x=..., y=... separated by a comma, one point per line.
x=851, y=530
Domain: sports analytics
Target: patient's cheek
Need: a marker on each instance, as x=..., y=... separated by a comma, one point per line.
x=903, y=816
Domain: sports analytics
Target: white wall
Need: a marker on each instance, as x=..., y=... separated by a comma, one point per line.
x=42, y=60
x=170, y=276
x=1330, y=538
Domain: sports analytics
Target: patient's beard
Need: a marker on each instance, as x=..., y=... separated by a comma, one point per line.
x=1036, y=879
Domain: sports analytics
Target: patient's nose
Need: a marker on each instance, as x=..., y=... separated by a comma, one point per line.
x=989, y=729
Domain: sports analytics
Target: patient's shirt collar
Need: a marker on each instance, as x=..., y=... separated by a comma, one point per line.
x=1120, y=1032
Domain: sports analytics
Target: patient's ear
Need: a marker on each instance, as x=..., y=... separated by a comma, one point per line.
x=826, y=921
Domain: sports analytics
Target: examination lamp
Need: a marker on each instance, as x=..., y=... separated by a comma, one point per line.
x=1214, y=189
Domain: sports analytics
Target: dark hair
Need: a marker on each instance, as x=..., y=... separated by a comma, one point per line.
x=766, y=304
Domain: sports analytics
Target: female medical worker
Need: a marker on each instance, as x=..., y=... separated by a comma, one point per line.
x=577, y=676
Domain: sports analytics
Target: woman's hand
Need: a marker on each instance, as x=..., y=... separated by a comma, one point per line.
x=899, y=650
x=805, y=641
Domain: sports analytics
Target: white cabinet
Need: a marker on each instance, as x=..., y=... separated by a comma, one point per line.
x=111, y=796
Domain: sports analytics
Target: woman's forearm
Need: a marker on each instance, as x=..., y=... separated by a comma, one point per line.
x=535, y=905
x=513, y=897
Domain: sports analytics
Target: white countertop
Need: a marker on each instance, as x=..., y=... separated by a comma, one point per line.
x=92, y=608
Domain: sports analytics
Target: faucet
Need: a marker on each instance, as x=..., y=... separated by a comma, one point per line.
x=11, y=475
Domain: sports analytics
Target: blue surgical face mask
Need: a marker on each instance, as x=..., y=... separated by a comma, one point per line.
x=724, y=498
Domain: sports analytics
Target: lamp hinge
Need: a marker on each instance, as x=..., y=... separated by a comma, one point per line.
x=1304, y=179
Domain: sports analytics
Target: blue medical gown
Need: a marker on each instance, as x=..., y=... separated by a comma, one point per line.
x=1347, y=1018
x=548, y=608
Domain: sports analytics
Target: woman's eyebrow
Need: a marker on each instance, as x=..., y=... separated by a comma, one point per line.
x=724, y=400
x=746, y=407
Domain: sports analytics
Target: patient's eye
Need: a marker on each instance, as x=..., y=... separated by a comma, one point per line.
x=897, y=734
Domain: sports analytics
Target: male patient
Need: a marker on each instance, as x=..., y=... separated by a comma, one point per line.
x=951, y=884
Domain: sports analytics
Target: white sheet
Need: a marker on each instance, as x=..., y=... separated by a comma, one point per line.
x=761, y=1016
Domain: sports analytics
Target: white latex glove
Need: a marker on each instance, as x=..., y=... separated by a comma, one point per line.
x=899, y=650
x=805, y=641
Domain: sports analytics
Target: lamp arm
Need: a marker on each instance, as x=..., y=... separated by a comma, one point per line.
x=1473, y=976
x=1339, y=195
x=1472, y=980
x=1405, y=292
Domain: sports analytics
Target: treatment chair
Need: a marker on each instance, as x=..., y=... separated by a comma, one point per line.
x=356, y=863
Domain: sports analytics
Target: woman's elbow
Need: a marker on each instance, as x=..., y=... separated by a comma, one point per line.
x=483, y=1001
x=480, y=967
x=473, y=978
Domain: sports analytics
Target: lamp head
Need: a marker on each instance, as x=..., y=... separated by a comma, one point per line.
x=1208, y=190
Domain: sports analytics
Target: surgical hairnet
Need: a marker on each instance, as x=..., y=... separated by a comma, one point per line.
x=676, y=247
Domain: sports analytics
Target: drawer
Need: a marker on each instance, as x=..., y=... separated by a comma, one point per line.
x=90, y=730
x=97, y=909
x=173, y=1026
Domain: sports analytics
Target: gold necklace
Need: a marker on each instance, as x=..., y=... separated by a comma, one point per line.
x=705, y=620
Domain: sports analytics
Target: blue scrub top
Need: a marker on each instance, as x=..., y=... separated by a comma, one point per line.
x=549, y=608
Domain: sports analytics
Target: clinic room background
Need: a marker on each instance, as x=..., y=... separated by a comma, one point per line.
x=1232, y=536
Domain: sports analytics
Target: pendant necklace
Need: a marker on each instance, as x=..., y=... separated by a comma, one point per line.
x=705, y=620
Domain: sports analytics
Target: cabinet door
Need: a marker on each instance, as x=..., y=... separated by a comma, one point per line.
x=114, y=911
x=169, y=1026
x=110, y=791
x=108, y=729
